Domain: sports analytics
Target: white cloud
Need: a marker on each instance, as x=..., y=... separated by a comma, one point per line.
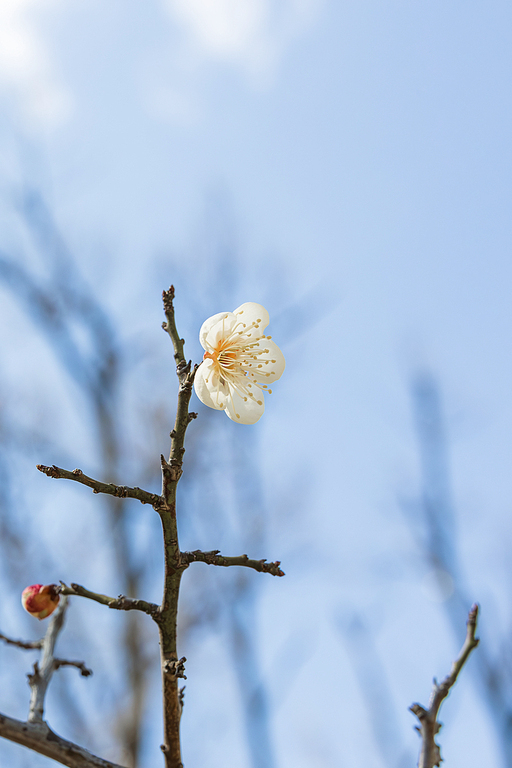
x=26, y=71
x=250, y=34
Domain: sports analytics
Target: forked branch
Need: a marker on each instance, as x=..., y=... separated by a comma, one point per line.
x=171, y=473
x=430, y=754
x=40, y=678
x=40, y=738
x=35, y=734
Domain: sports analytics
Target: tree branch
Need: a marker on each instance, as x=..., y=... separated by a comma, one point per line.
x=174, y=566
x=430, y=754
x=40, y=678
x=170, y=326
x=121, y=491
x=40, y=738
x=84, y=671
x=215, y=558
x=120, y=603
x=28, y=646
x=35, y=734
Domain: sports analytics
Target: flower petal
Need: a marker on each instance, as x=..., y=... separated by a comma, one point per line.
x=245, y=410
x=220, y=330
x=250, y=313
x=272, y=363
x=209, y=389
x=208, y=325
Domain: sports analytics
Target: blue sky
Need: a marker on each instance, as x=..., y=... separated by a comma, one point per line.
x=364, y=148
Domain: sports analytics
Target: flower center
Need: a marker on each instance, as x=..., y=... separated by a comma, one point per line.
x=223, y=357
x=240, y=361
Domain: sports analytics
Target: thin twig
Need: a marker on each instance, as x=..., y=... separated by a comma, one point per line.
x=28, y=646
x=430, y=754
x=42, y=673
x=40, y=678
x=170, y=325
x=120, y=603
x=121, y=491
x=215, y=558
x=40, y=738
x=84, y=671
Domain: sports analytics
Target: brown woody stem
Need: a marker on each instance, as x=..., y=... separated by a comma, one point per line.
x=40, y=738
x=121, y=491
x=215, y=558
x=430, y=754
x=174, y=565
x=27, y=646
x=120, y=603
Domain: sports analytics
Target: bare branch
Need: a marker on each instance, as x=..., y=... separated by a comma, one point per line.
x=35, y=734
x=120, y=603
x=171, y=473
x=40, y=738
x=430, y=754
x=170, y=325
x=40, y=678
x=121, y=491
x=84, y=671
x=215, y=558
x=28, y=646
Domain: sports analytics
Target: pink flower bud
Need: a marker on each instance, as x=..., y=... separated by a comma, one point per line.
x=40, y=600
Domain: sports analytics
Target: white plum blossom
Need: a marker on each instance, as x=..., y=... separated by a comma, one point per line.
x=239, y=363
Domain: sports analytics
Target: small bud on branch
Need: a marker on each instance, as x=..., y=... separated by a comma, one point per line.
x=40, y=600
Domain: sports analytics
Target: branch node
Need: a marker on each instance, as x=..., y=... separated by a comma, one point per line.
x=419, y=711
x=171, y=470
x=34, y=677
x=176, y=668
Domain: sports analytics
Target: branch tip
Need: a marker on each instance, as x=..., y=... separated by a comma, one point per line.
x=214, y=557
x=430, y=754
